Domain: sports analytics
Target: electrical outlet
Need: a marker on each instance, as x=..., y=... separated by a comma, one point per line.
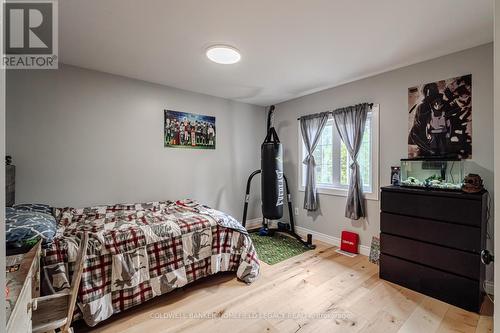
x=296, y=211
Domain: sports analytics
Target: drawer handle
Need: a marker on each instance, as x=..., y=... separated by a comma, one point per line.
x=33, y=305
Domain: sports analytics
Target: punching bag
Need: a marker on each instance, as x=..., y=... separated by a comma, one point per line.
x=273, y=186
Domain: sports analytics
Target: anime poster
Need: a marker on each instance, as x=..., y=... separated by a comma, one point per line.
x=189, y=130
x=440, y=119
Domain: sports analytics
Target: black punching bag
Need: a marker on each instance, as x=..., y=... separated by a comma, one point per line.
x=273, y=189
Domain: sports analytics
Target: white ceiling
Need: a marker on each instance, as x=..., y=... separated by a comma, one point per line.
x=289, y=48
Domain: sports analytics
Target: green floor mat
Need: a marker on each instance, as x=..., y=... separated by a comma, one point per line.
x=277, y=248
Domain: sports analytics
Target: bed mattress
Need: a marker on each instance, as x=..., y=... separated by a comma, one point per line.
x=140, y=251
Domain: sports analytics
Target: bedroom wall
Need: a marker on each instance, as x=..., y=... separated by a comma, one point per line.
x=390, y=91
x=80, y=137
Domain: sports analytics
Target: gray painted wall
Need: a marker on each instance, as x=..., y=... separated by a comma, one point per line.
x=85, y=137
x=81, y=137
x=390, y=91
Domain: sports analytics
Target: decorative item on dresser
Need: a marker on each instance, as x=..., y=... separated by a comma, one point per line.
x=395, y=175
x=431, y=242
x=472, y=183
x=22, y=285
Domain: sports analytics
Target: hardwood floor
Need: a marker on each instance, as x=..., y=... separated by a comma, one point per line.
x=318, y=291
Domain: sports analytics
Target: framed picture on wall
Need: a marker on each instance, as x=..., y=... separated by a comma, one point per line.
x=440, y=118
x=189, y=130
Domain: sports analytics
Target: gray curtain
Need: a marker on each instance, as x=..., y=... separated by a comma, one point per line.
x=350, y=123
x=311, y=128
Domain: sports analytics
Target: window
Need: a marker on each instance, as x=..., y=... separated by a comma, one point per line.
x=333, y=161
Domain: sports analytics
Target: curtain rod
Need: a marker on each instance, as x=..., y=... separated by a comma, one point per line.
x=331, y=112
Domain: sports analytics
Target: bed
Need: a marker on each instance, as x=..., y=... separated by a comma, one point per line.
x=140, y=251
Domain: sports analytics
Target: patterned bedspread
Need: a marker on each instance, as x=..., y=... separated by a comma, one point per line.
x=140, y=251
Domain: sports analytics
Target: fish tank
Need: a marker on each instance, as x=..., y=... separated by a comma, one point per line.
x=442, y=174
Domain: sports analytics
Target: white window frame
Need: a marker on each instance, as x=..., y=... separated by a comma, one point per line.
x=342, y=191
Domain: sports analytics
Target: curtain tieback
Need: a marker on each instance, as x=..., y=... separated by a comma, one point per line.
x=309, y=160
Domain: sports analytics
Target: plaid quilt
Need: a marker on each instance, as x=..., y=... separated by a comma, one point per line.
x=139, y=251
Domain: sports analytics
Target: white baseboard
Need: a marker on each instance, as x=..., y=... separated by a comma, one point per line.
x=363, y=249
x=257, y=223
x=254, y=223
x=335, y=241
x=488, y=287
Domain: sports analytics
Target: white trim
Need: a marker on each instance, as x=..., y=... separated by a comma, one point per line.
x=254, y=223
x=257, y=223
x=374, y=194
x=375, y=153
x=340, y=192
x=489, y=287
x=363, y=249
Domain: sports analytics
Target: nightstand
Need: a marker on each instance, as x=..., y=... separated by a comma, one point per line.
x=23, y=285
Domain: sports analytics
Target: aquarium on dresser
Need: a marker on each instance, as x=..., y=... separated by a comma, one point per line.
x=446, y=174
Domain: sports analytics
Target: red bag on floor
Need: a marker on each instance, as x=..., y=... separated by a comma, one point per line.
x=349, y=242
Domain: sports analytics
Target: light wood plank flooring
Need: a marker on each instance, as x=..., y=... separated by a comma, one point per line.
x=318, y=291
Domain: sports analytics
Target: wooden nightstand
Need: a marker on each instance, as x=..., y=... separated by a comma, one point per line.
x=23, y=285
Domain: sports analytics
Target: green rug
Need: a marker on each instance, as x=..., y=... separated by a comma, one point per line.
x=277, y=248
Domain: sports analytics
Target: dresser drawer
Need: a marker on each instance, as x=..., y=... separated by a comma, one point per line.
x=20, y=318
x=447, y=287
x=437, y=207
x=10, y=175
x=10, y=185
x=442, y=258
x=457, y=236
x=23, y=284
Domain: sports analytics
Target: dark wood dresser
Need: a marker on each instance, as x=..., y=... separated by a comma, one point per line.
x=431, y=242
x=10, y=185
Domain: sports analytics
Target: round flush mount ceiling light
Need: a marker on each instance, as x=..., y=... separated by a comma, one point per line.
x=223, y=54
